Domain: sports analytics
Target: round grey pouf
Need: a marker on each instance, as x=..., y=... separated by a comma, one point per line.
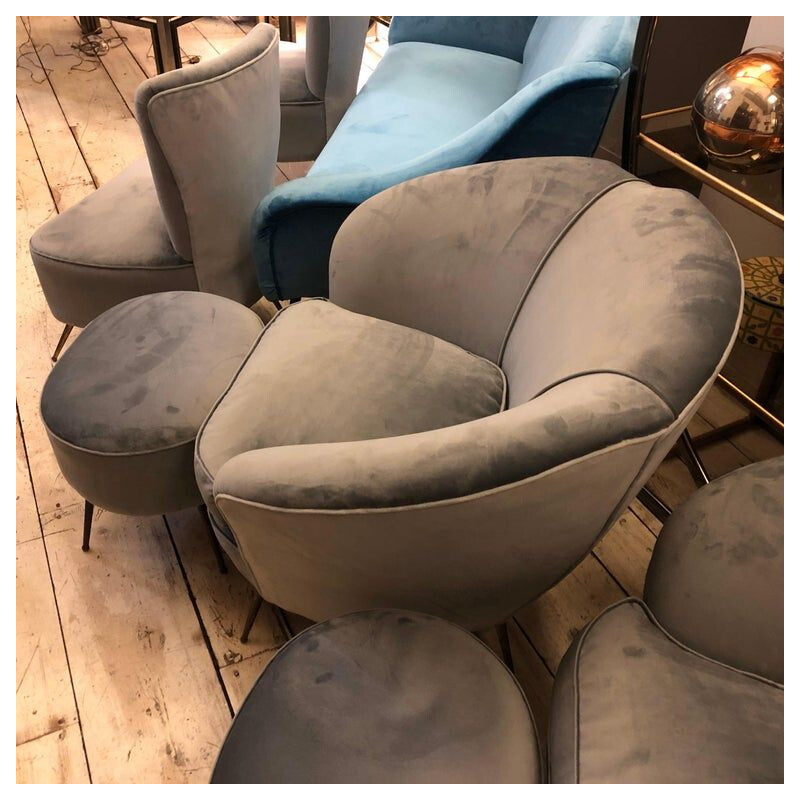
x=382, y=697
x=123, y=405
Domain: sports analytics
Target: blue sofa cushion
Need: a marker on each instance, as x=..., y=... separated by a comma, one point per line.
x=419, y=97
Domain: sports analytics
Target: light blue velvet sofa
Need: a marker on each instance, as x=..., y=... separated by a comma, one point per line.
x=450, y=91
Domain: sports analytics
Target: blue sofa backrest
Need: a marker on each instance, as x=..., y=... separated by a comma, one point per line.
x=499, y=36
x=562, y=41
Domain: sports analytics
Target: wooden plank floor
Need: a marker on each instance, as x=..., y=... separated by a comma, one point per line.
x=128, y=663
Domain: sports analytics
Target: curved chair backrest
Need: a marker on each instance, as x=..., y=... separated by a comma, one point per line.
x=610, y=304
x=211, y=136
x=334, y=48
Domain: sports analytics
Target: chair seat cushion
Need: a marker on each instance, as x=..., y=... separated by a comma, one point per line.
x=111, y=246
x=133, y=389
x=320, y=373
x=382, y=697
x=642, y=708
x=420, y=96
x=294, y=87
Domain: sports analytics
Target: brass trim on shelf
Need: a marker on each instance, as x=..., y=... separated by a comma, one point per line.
x=738, y=196
x=769, y=418
x=665, y=112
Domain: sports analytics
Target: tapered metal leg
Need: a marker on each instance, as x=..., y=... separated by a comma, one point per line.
x=61, y=342
x=88, y=513
x=692, y=460
x=505, y=645
x=660, y=510
x=252, y=612
x=223, y=567
x=277, y=304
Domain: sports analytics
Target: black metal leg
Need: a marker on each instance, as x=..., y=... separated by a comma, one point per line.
x=654, y=504
x=692, y=460
x=277, y=304
x=252, y=612
x=505, y=645
x=88, y=513
x=294, y=300
x=223, y=567
x=61, y=342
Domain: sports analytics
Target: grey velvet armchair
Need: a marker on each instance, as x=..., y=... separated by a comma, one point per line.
x=495, y=378
x=180, y=219
x=318, y=83
x=686, y=687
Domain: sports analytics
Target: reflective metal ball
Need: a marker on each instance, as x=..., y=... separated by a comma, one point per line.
x=738, y=112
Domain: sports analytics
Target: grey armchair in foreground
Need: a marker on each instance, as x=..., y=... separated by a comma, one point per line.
x=181, y=221
x=318, y=83
x=689, y=687
x=497, y=376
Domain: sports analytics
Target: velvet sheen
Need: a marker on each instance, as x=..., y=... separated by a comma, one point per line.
x=500, y=36
x=144, y=374
x=632, y=705
x=715, y=581
x=343, y=377
x=434, y=105
x=111, y=246
x=382, y=697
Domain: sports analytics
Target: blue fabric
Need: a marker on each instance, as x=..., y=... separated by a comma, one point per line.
x=431, y=107
x=420, y=97
x=500, y=36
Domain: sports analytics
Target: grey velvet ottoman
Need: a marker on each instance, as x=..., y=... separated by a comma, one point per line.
x=123, y=405
x=382, y=697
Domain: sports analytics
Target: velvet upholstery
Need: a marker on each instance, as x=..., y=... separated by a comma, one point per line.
x=318, y=83
x=467, y=519
x=687, y=690
x=716, y=578
x=382, y=697
x=407, y=382
x=179, y=220
x=446, y=94
x=123, y=405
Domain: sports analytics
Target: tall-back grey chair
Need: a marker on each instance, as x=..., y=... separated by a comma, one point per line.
x=181, y=218
x=498, y=374
x=318, y=83
x=686, y=687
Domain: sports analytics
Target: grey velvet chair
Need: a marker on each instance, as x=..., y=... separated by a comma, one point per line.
x=382, y=697
x=318, y=83
x=686, y=687
x=181, y=218
x=496, y=377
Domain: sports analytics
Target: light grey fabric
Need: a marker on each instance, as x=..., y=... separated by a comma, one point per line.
x=716, y=578
x=211, y=133
x=123, y=405
x=382, y=697
x=474, y=560
x=633, y=705
x=659, y=247
x=183, y=222
x=468, y=521
x=478, y=233
x=111, y=246
x=343, y=377
x=318, y=83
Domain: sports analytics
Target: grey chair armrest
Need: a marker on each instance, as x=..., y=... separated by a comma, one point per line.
x=571, y=420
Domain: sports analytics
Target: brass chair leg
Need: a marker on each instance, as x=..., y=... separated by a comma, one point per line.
x=61, y=342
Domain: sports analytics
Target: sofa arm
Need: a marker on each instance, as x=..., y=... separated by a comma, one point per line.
x=500, y=36
x=294, y=226
x=598, y=410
